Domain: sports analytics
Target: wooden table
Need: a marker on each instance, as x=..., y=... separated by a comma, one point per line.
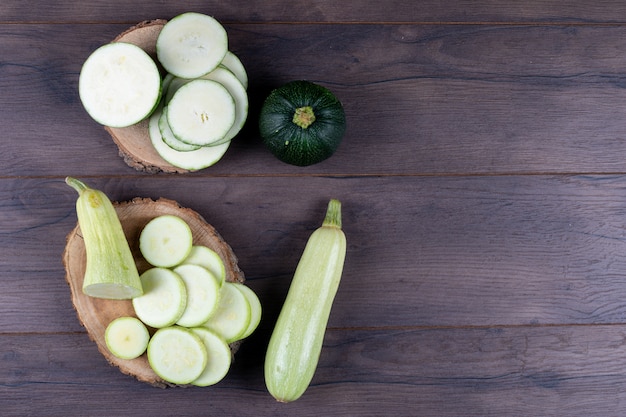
x=483, y=182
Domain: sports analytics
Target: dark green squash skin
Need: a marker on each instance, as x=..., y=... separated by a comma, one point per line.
x=291, y=143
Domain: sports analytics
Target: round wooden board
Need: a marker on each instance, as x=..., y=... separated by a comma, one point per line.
x=133, y=141
x=95, y=314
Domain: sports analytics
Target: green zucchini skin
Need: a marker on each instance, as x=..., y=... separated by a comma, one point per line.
x=296, y=342
x=294, y=144
x=110, y=270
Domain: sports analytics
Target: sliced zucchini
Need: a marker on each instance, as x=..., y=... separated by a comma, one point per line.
x=169, y=138
x=238, y=93
x=201, y=112
x=191, y=45
x=232, y=317
x=173, y=86
x=165, y=241
x=209, y=259
x=127, y=337
x=234, y=64
x=164, y=299
x=165, y=84
x=203, y=293
x=191, y=161
x=177, y=355
x=119, y=84
x=219, y=357
x=255, y=308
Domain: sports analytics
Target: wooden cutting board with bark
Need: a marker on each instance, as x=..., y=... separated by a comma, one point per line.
x=95, y=313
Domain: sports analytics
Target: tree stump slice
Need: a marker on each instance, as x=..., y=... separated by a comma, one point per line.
x=95, y=314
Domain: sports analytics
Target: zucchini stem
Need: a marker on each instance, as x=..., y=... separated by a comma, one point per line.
x=304, y=116
x=78, y=185
x=333, y=214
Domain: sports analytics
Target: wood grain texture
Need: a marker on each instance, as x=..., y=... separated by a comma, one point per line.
x=429, y=11
x=483, y=183
x=550, y=106
x=450, y=251
x=567, y=370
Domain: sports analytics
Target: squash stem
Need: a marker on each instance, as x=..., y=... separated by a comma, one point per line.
x=333, y=214
x=78, y=185
x=304, y=116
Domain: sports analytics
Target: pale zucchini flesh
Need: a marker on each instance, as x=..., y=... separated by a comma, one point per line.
x=209, y=259
x=169, y=138
x=201, y=112
x=127, y=337
x=193, y=160
x=191, y=45
x=119, y=84
x=232, y=316
x=255, y=309
x=238, y=92
x=203, y=293
x=234, y=64
x=165, y=241
x=177, y=355
x=219, y=358
x=164, y=299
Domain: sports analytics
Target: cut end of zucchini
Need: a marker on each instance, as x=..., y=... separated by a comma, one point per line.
x=165, y=241
x=119, y=85
x=232, y=316
x=209, y=259
x=191, y=161
x=112, y=291
x=177, y=355
x=164, y=299
x=201, y=112
x=219, y=357
x=191, y=45
x=127, y=337
x=203, y=292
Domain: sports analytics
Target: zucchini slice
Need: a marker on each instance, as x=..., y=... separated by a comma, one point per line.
x=238, y=92
x=127, y=337
x=191, y=45
x=119, y=85
x=232, y=317
x=164, y=299
x=232, y=63
x=201, y=112
x=165, y=241
x=255, y=308
x=177, y=355
x=219, y=358
x=169, y=138
x=209, y=259
x=203, y=293
x=191, y=161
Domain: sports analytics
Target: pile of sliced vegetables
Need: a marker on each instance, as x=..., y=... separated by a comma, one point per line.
x=194, y=110
x=196, y=313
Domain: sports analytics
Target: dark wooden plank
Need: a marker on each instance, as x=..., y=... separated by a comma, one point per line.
x=419, y=100
x=430, y=11
x=451, y=251
x=565, y=370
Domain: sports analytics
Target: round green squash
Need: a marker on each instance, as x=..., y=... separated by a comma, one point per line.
x=302, y=123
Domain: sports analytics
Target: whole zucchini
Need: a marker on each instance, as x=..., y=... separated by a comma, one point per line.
x=110, y=270
x=296, y=342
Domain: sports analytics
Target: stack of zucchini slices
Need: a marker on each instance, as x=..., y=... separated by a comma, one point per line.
x=200, y=105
